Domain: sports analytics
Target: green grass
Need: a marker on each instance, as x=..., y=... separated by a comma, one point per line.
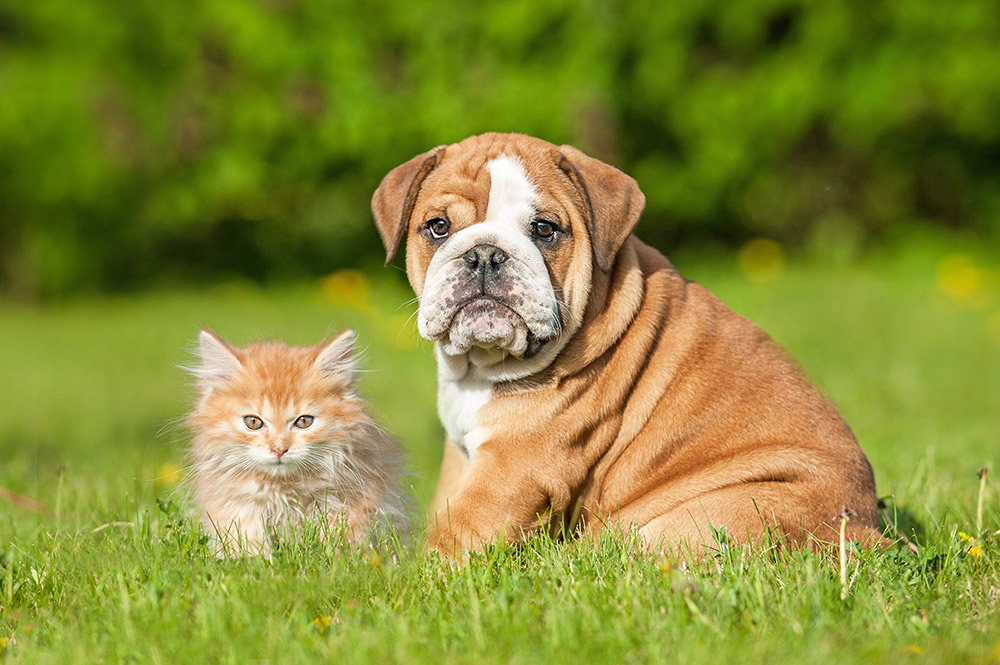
x=116, y=570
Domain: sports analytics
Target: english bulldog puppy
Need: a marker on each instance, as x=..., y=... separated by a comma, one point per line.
x=582, y=382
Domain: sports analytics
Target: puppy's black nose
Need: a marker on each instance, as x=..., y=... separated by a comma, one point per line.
x=485, y=256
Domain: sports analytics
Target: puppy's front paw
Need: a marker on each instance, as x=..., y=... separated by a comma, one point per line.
x=448, y=543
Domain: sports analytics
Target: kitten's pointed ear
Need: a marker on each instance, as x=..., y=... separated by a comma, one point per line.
x=336, y=359
x=219, y=362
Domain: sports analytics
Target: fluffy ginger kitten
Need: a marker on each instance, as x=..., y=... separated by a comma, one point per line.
x=280, y=436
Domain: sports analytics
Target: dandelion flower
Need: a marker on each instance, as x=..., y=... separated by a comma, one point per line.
x=347, y=288
x=761, y=260
x=959, y=278
x=322, y=623
x=167, y=476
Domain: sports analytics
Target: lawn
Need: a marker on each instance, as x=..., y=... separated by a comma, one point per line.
x=112, y=568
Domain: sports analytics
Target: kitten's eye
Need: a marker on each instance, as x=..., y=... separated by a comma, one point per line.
x=253, y=422
x=304, y=422
x=438, y=228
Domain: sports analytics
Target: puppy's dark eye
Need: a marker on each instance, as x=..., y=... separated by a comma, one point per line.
x=253, y=422
x=544, y=230
x=438, y=228
x=304, y=422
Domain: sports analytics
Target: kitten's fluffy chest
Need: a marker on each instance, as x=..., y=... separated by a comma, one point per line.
x=244, y=511
x=281, y=436
x=252, y=500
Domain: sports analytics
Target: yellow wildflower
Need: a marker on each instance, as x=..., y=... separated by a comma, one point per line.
x=959, y=278
x=761, y=260
x=322, y=623
x=347, y=287
x=913, y=648
x=975, y=551
x=167, y=476
x=667, y=567
x=963, y=536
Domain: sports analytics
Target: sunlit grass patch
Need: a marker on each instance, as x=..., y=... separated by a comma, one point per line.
x=115, y=567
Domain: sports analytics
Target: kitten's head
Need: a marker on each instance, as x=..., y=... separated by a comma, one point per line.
x=273, y=409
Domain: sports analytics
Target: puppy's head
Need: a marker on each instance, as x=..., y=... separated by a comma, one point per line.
x=505, y=233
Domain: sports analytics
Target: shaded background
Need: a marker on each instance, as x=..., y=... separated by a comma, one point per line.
x=150, y=143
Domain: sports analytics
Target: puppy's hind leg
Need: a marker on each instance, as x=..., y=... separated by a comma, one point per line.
x=749, y=514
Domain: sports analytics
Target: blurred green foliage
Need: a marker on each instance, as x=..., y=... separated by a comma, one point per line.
x=145, y=141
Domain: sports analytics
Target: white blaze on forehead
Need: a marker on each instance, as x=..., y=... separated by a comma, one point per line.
x=512, y=194
x=460, y=331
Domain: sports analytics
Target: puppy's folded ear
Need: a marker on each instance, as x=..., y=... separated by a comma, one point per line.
x=613, y=199
x=393, y=201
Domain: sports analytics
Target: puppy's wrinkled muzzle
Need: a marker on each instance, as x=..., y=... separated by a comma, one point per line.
x=487, y=323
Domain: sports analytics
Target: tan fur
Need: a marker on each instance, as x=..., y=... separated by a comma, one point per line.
x=342, y=470
x=664, y=412
x=454, y=468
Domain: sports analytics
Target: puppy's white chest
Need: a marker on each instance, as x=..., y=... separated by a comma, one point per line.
x=459, y=405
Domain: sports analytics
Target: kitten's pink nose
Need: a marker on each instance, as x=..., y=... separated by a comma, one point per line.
x=279, y=450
